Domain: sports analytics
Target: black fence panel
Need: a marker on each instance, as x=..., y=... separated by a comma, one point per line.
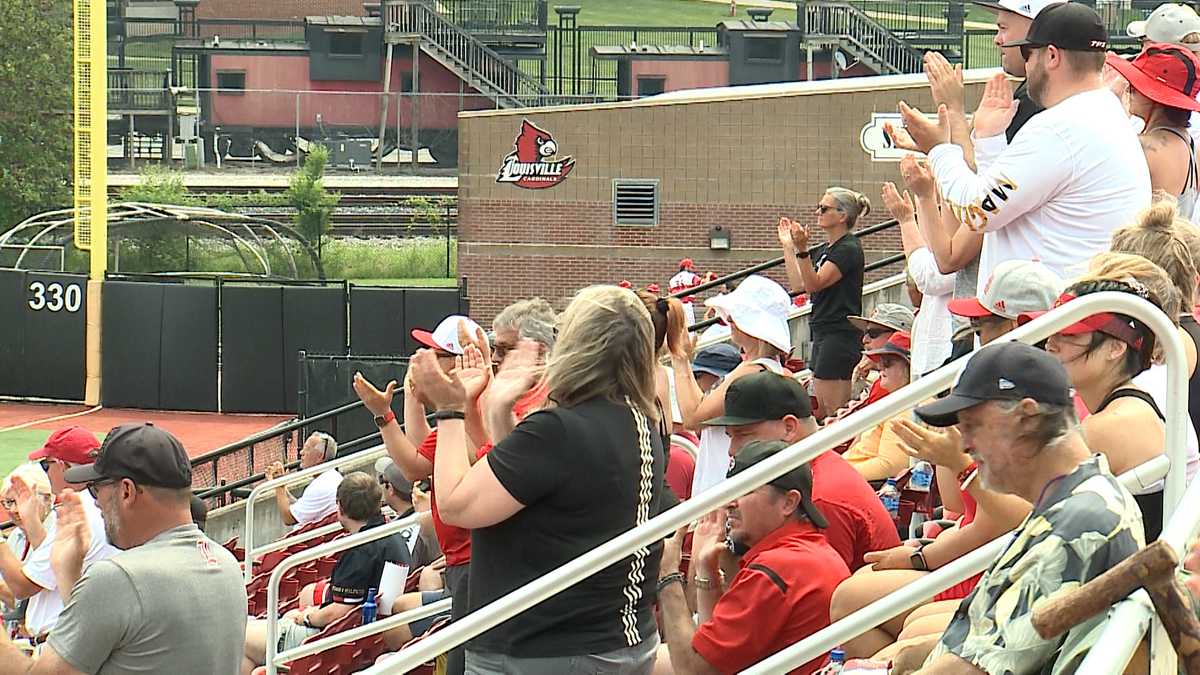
x=252, y=374
x=44, y=319
x=425, y=308
x=189, y=348
x=326, y=385
x=160, y=346
x=377, y=321
x=131, y=332
x=12, y=335
x=314, y=319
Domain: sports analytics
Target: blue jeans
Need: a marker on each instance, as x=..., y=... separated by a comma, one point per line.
x=635, y=660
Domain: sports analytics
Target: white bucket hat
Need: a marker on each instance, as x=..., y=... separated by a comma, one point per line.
x=759, y=308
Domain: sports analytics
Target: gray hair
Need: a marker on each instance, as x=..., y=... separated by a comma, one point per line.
x=851, y=203
x=1051, y=423
x=32, y=474
x=532, y=319
x=329, y=446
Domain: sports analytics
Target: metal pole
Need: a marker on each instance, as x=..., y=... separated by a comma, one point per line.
x=386, y=99
x=297, y=130
x=412, y=114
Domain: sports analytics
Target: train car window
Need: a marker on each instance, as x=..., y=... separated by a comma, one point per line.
x=345, y=44
x=231, y=81
x=765, y=49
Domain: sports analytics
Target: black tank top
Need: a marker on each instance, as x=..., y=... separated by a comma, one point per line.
x=1192, y=328
x=1150, y=503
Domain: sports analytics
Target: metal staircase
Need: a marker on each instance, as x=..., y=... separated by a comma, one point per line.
x=463, y=54
x=861, y=36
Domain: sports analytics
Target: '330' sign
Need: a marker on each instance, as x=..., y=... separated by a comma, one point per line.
x=55, y=297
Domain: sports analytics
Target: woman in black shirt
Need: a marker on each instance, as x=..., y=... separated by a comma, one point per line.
x=834, y=283
x=568, y=478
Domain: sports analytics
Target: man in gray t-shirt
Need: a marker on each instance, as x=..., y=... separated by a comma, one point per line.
x=171, y=601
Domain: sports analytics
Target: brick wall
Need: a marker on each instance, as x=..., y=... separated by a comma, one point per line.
x=736, y=160
x=277, y=9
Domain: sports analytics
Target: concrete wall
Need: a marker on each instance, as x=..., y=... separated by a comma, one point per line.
x=737, y=157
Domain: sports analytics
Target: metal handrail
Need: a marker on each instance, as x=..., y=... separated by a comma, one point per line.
x=656, y=528
x=288, y=479
x=357, y=539
x=359, y=632
x=1133, y=615
x=916, y=592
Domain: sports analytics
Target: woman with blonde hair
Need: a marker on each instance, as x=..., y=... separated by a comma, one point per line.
x=833, y=278
x=1172, y=242
x=36, y=484
x=568, y=478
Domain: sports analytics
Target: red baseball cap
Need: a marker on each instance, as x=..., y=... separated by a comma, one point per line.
x=1164, y=73
x=73, y=445
x=625, y=283
x=687, y=264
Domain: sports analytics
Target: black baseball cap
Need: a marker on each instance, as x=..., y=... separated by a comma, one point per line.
x=761, y=397
x=1008, y=371
x=1066, y=25
x=799, y=478
x=140, y=452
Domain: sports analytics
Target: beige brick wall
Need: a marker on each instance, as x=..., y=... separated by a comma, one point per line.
x=737, y=161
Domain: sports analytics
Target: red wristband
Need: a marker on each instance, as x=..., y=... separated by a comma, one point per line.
x=966, y=473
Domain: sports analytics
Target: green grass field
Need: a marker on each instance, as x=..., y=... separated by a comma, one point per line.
x=16, y=445
x=423, y=283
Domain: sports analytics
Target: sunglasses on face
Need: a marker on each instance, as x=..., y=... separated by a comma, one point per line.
x=1027, y=51
x=91, y=487
x=821, y=208
x=875, y=333
x=45, y=464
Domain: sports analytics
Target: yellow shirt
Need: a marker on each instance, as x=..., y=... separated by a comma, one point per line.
x=876, y=454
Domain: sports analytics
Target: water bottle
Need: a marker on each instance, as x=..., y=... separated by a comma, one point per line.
x=837, y=662
x=922, y=477
x=889, y=494
x=368, y=608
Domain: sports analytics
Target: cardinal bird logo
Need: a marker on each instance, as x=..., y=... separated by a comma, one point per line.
x=531, y=164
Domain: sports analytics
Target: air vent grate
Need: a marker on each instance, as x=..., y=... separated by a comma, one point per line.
x=635, y=202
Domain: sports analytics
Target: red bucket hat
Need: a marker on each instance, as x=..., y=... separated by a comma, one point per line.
x=899, y=344
x=1164, y=73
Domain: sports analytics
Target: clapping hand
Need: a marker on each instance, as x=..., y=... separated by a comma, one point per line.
x=996, y=109
x=29, y=505
x=475, y=371
x=444, y=392
x=72, y=538
x=899, y=137
x=516, y=376
x=796, y=233
x=942, y=447
x=708, y=543
x=918, y=177
x=900, y=206
x=275, y=470
x=945, y=81
x=378, y=402
x=926, y=134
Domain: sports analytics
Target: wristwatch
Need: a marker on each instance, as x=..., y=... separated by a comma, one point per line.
x=917, y=558
x=382, y=421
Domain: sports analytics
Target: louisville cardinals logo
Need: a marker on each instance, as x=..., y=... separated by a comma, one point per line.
x=531, y=165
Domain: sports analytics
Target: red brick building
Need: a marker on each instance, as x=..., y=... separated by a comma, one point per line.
x=277, y=9
x=738, y=158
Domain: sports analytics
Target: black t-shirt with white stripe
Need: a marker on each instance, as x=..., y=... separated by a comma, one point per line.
x=585, y=475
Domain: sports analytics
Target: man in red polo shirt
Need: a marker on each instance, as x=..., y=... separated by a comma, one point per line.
x=781, y=592
x=767, y=407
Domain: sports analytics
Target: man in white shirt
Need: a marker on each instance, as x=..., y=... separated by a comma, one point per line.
x=1072, y=174
x=34, y=579
x=320, y=497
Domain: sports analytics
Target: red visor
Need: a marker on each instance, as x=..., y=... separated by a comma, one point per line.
x=1113, y=325
x=968, y=307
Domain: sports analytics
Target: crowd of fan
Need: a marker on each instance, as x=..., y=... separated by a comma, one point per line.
x=558, y=431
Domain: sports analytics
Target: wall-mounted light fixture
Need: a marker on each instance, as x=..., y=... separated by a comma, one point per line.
x=719, y=238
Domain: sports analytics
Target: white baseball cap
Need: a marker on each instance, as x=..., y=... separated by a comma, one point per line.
x=445, y=336
x=1168, y=23
x=1015, y=287
x=1026, y=8
x=759, y=308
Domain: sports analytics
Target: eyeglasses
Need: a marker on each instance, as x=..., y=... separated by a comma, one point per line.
x=875, y=333
x=91, y=487
x=8, y=504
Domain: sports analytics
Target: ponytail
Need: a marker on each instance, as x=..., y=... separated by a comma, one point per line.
x=853, y=204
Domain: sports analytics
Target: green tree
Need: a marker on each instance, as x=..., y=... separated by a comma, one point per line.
x=306, y=193
x=35, y=116
x=158, y=185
